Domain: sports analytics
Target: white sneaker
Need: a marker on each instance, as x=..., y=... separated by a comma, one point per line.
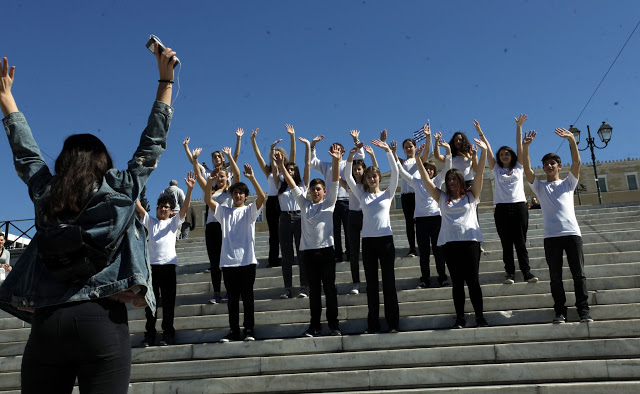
x=356, y=289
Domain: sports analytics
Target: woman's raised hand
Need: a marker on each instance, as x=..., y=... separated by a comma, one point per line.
x=248, y=171
x=521, y=119
x=190, y=180
x=290, y=129
x=273, y=146
x=480, y=144
x=381, y=144
x=336, y=152
x=195, y=153
x=393, y=145
x=278, y=159
x=528, y=137
x=239, y=132
x=254, y=133
x=304, y=141
x=426, y=129
x=6, y=77
x=227, y=151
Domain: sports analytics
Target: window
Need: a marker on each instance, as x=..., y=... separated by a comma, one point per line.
x=632, y=180
x=602, y=182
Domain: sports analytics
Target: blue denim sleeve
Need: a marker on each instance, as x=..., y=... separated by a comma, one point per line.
x=28, y=161
x=152, y=143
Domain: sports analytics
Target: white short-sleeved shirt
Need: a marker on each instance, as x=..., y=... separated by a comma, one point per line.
x=286, y=200
x=238, y=234
x=162, y=239
x=317, y=219
x=425, y=204
x=5, y=257
x=556, y=201
x=463, y=164
x=324, y=167
x=409, y=165
x=459, y=220
x=222, y=198
x=509, y=187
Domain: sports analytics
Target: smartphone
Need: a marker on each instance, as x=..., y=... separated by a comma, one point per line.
x=152, y=47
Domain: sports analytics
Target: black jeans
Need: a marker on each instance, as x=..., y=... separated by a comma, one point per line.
x=408, y=208
x=512, y=223
x=353, y=233
x=553, y=250
x=290, y=232
x=463, y=260
x=164, y=286
x=273, y=220
x=380, y=249
x=427, y=229
x=213, y=239
x=341, y=217
x=88, y=340
x=239, y=283
x=321, y=267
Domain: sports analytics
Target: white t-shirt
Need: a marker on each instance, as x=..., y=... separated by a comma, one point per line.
x=460, y=163
x=162, y=239
x=509, y=187
x=375, y=206
x=324, y=167
x=286, y=200
x=317, y=219
x=273, y=190
x=354, y=203
x=238, y=234
x=409, y=165
x=425, y=204
x=222, y=198
x=459, y=220
x=556, y=201
x=5, y=257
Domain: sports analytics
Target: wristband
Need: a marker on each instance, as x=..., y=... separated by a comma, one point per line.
x=165, y=80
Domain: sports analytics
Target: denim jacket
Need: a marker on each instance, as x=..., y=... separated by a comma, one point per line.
x=29, y=284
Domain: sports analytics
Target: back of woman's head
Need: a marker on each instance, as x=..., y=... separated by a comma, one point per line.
x=83, y=161
x=465, y=147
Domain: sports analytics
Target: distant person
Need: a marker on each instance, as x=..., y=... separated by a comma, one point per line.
x=561, y=230
x=5, y=256
x=189, y=223
x=79, y=324
x=162, y=232
x=174, y=191
x=535, y=204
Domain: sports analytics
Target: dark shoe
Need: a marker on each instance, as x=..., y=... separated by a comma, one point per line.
x=248, y=336
x=559, y=319
x=509, y=279
x=286, y=295
x=216, y=299
x=230, y=337
x=168, y=340
x=585, y=317
x=148, y=341
x=445, y=283
x=531, y=278
x=460, y=323
x=336, y=333
x=303, y=294
x=224, y=299
x=394, y=330
x=412, y=253
x=422, y=285
x=371, y=331
x=312, y=332
x=482, y=322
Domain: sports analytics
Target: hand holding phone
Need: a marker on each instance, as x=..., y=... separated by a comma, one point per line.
x=152, y=47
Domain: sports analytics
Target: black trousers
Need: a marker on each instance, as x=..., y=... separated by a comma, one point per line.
x=408, y=208
x=239, y=283
x=512, y=223
x=341, y=218
x=463, y=260
x=163, y=278
x=290, y=233
x=273, y=220
x=213, y=239
x=427, y=229
x=553, y=251
x=382, y=250
x=88, y=340
x=321, y=268
x=353, y=233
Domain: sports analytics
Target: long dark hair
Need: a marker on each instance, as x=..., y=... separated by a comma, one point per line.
x=83, y=162
x=296, y=177
x=466, y=145
x=514, y=157
x=364, y=169
x=462, y=190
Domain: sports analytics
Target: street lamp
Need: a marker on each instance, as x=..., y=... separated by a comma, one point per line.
x=604, y=132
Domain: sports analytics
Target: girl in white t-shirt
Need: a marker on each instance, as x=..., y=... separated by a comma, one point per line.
x=377, y=239
x=511, y=215
x=463, y=156
x=213, y=231
x=272, y=208
x=460, y=236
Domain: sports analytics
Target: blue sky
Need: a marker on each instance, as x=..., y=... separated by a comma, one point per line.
x=325, y=67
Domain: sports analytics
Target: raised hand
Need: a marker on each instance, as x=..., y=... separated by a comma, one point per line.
x=368, y=149
x=383, y=135
x=248, y=171
x=304, y=141
x=190, y=180
x=480, y=144
x=354, y=149
x=477, y=126
x=393, y=145
x=8, y=73
x=195, y=153
x=564, y=133
x=254, y=133
x=239, y=132
x=340, y=149
x=521, y=119
x=336, y=153
x=381, y=144
x=227, y=151
x=426, y=129
x=420, y=150
x=278, y=159
x=354, y=134
x=438, y=136
x=273, y=146
x=186, y=140
x=214, y=173
x=528, y=137
x=290, y=129
x=473, y=150
x=166, y=60
x=317, y=139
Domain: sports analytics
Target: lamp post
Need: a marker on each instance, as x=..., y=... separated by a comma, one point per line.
x=604, y=132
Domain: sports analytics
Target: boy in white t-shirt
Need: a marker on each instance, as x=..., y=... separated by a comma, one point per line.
x=237, y=256
x=561, y=230
x=161, y=241
x=316, y=244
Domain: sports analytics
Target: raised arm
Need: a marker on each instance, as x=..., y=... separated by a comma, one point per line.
x=526, y=160
x=490, y=157
x=519, y=121
x=190, y=180
x=208, y=190
x=7, y=102
x=292, y=137
x=393, y=181
x=140, y=209
x=428, y=183
x=236, y=152
x=436, y=150
x=279, y=162
x=274, y=168
x=256, y=151
x=476, y=188
x=260, y=196
x=393, y=145
x=335, y=154
x=575, y=153
x=348, y=172
x=369, y=150
x=307, y=161
x=426, y=129
x=316, y=163
x=196, y=169
x=232, y=163
x=166, y=60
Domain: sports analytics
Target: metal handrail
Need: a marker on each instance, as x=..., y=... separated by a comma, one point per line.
x=7, y=223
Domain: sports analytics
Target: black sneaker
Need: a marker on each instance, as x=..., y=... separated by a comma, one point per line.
x=422, y=285
x=312, y=332
x=460, y=323
x=585, y=317
x=509, y=279
x=559, y=319
x=445, y=283
x=370, y=330
x=482, y=322
x=531, y=278
x=230, y=337
x=248, y=336
x=168, y=340
x=336, y=333
x=148, y=341
x=412, y=253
